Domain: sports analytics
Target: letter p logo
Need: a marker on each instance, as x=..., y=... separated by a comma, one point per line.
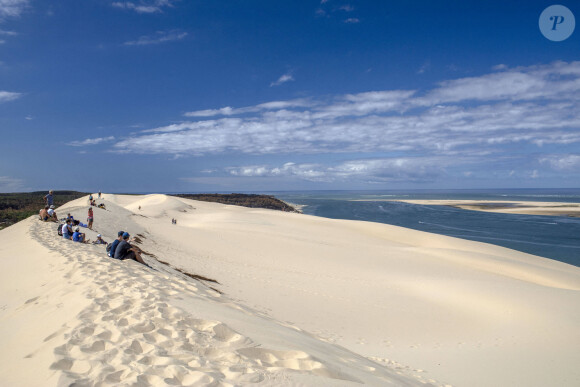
x=557, y=23
x=557, y=20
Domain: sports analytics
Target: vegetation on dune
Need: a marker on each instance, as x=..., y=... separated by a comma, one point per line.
x=245, y=200
x=15, y=207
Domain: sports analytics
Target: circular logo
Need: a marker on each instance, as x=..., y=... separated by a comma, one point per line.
x=557, y=23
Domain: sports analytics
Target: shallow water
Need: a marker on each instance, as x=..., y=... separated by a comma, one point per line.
x=547, y=236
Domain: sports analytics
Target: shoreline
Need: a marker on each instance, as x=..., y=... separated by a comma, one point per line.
x=499, y=206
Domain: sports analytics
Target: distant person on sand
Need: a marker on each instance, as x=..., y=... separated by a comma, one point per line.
x=67, y=230
x=99, y=194
x=125, y=251
x=139, y=207
x=69, y=216
x=79, y=236
x=90, y=198
x=43, y=213
x=90, y=218
x=99, y=241
x=116, y=243
x=48, y=198
x=52, y=214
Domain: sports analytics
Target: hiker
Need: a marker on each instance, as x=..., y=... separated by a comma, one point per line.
x=79, y=236
x=116, y=243
x=48, y=198
x=124, y=251
x=67, y=230
x=99, y=241
x=43, y=213
x=52, y=214
x=90, y=218
x=99, y=194
x=90, y=198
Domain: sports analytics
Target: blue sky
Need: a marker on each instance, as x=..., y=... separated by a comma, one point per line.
x=188, y=96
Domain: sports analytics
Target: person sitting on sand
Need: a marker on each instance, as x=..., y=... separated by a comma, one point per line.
x=90, y=218
x=99, y=241
x=67, y=230
x=69, y=216
x=126, y=251
x=52, y=214
x=116, y=243
x=43, y=213
x=79, y=236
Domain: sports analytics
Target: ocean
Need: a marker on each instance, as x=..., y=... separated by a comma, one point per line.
x=552, y=237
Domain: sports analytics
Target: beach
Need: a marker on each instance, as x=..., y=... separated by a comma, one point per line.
x=506, y=206
x=288, y=299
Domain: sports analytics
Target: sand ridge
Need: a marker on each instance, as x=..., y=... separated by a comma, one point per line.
x=96, y=321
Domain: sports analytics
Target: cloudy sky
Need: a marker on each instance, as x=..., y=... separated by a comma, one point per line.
x=189, y=96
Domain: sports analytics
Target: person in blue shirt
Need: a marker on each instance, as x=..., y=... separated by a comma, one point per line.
x=48, y=198
x=115, y=243
x=79, y=236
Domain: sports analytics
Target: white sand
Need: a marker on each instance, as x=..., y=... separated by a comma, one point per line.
x=506, y=206
x=307, y=301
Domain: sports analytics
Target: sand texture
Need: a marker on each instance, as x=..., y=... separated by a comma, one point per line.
x=299, y=300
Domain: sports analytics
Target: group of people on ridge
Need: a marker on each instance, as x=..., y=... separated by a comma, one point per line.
x=120, y=248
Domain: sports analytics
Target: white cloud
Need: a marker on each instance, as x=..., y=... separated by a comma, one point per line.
x=475, y=120
x=229, y=111
x=12, y=8
x=157, y=38
x=8, y=33
x=352, y=20
x=91, y=141
x=283, y=79
x=154, y=6
x=367, y=170
x=6, y=96
x=562, y=162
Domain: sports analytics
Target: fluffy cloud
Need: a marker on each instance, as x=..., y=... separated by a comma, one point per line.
x=6, y=96
x=475, y=120
x=155, y=6
x=91, y=141
x=158, y=37
x=367, y=170
x=12, y=8
x=562, y=162
x=283, y=79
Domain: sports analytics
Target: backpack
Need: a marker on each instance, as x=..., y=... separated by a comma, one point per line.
x=59, y=229
x=108, y=248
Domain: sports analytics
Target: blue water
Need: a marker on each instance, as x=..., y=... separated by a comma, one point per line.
x=547, y=236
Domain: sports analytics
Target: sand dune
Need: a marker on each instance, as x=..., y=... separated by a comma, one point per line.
x=304, y=301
